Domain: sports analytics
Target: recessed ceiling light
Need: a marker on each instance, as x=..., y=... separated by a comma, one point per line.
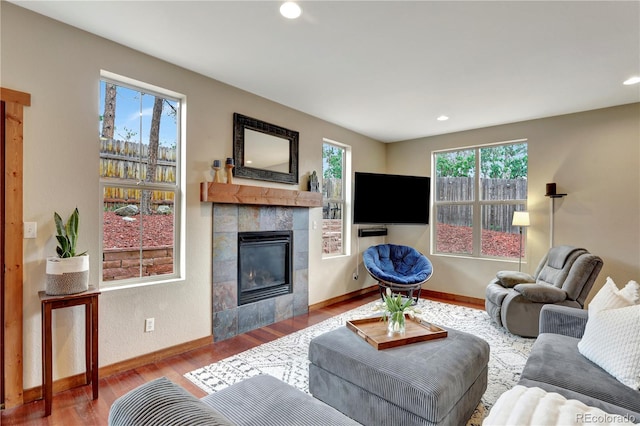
x=248, y=161
x=632, y=80
x=442, y=118
x=290, y=10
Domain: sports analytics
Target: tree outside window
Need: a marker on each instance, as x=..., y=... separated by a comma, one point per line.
x=476, y=192
x=333, y=164
x=139, y=169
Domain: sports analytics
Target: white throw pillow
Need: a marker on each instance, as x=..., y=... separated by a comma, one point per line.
x=631, y=291
x=609, y=297
x=612, y=341
x=534, y=406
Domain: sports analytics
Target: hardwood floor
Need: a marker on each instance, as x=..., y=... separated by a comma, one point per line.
x=75, y=406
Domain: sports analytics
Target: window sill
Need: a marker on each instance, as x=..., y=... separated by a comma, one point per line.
x=491, y=259
x=136, y=284
x=334, y=256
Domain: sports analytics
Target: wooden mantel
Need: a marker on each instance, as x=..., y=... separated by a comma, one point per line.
x=226, y=193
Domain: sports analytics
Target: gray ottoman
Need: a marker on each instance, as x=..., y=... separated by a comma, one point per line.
x=437, y=382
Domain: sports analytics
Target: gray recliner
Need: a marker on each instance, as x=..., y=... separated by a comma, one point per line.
x=564, y=277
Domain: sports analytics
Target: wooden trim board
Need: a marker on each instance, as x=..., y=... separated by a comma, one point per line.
x=474, y=301
x=14, y=96
x=471, y=301
x=13, y=239
x=343, y=298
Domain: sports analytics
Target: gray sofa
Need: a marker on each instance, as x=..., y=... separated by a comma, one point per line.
x=260, y=400
x=556, y=365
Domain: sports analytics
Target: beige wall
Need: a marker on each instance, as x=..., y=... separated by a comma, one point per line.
x=60, y=67
x=593, y=156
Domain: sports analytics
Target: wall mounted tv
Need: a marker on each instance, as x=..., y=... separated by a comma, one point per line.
x=391, y=199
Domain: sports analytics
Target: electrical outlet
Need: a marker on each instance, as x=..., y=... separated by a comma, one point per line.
x=30, y=229
x=149, y=325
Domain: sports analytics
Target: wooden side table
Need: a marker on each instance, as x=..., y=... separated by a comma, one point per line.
x=89, y=299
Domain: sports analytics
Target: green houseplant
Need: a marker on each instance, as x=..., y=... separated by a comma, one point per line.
x=67, y=273
x=394, y=308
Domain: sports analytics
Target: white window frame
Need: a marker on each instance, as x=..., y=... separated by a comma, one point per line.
x=476, y=205
x=345, y=200
x=179, y=240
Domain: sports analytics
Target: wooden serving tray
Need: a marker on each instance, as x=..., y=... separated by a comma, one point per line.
x=374, y=331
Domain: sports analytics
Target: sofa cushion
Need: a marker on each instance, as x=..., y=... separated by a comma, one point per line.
x=612, y=340
x=265, y=400
x=161, y=401
x=555, y=364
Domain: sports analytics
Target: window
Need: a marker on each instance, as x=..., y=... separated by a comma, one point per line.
x=477, y=189
x=140, y=159
x=336, y=170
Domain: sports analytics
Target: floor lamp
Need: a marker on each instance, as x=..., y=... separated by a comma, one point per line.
x=520, y=219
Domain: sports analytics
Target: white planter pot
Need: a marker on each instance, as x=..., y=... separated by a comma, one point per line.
x=67, y=276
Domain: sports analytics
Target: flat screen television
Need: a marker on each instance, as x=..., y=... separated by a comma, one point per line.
x=391, y=199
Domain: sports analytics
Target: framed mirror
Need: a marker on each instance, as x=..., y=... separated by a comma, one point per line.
x=264, y=151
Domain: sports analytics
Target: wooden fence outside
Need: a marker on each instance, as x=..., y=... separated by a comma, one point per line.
x=121, y=159
x=496, y=217
x=332, y=189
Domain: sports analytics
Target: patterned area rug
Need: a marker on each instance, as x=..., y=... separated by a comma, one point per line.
x=286, y=357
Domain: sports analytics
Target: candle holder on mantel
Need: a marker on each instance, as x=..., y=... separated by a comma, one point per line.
x=216, y=171
x=229, y=166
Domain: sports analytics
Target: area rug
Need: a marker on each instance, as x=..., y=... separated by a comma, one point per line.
x=286, y=357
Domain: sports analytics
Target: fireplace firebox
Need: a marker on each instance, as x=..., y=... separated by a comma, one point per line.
x=264, y=265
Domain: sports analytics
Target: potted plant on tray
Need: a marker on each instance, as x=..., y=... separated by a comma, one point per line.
x=394, y=308
x=67, y=273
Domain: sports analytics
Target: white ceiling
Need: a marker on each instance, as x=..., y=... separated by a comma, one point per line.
x=387, y=69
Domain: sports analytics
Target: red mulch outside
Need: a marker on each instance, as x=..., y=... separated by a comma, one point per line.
x=158, y=232
x=121, y=233
x=458, y=239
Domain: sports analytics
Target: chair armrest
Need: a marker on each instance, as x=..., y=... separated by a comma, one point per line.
x=509, y=279
x=564, y=320
x=541, y=293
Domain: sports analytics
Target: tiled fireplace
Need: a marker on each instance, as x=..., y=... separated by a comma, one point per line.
x=265, y=265
x=231, y=220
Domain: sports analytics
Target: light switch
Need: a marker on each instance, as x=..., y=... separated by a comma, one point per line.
x=30, y=229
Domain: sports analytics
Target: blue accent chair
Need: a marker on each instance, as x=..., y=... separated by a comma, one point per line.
x=402, y=269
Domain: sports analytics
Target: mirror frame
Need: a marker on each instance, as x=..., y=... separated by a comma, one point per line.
x=242, y=122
